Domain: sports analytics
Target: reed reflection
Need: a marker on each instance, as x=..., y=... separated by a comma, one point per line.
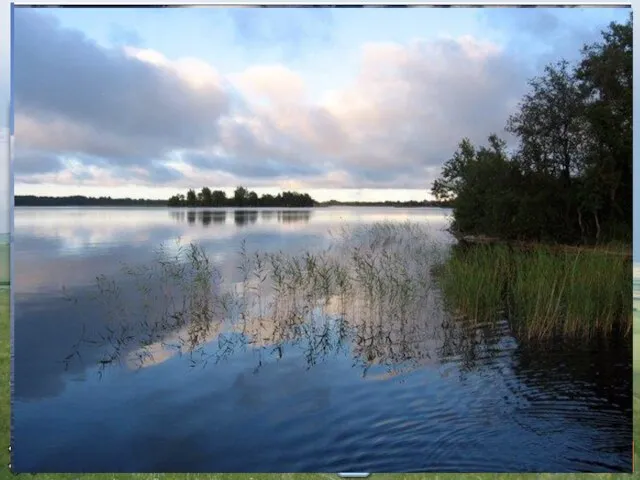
x=371, y=298
x=366, y=295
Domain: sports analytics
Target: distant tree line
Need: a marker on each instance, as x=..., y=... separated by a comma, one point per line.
x=82, y=201
x=388, y=203
x=208, y=198
x=570, y=177
x=241, y=198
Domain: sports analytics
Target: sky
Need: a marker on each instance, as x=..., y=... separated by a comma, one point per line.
x=346, y=104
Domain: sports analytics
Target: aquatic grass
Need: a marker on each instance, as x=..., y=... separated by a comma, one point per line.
x=473, y=282
x=542, y=291
x=382, y=277
x=575, y=294
x=180, y=291
x=373, y=279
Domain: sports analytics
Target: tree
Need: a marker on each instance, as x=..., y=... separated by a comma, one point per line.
x=267, y=200
x=606, y=73
x=176, y=201
x=192, y=200
x=481, y=183
x=550, y=124
x=551, y=128
x=454, y=173
x=570, y=178
x=218, y=198
x=240, y=196
x=206, y=198
x=252, y=199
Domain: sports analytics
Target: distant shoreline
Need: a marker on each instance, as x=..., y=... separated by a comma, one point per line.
x=80, y=201
x=244, y=207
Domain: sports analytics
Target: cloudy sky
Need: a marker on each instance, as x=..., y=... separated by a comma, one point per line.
x=342, y=103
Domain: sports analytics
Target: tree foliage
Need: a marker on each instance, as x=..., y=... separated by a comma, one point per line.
x=569, y=179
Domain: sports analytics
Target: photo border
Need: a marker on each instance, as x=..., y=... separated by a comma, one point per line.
x=6, y=297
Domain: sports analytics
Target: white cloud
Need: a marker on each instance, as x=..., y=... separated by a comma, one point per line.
x=196, y=73
x=274, y=83
x=136, y=117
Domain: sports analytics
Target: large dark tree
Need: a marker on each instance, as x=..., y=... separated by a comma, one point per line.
x=570, y=178
x=550, y=124
x=606, y=75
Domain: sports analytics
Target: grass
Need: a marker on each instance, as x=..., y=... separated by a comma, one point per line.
x=543, y=291
x=295, y=274
x=4, y=264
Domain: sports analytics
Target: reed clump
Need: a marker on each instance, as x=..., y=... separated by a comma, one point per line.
x=380, y=286
x=542, y=291
x=374, y=281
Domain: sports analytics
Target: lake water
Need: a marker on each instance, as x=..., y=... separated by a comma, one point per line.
x=347, y=386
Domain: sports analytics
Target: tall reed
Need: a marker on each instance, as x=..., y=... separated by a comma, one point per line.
x=381, y=285
x=542, y=291
x=374, y=284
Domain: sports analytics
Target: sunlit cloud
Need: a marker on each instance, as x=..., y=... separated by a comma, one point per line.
x=133, y=118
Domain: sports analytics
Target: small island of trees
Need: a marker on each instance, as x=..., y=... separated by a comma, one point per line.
x=242, y=197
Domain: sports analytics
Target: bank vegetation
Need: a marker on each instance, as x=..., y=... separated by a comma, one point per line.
x=566, y=181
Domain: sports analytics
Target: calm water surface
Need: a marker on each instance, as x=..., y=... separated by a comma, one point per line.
x=423, y=394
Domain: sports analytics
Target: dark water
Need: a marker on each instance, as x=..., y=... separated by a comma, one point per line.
x=416, y=393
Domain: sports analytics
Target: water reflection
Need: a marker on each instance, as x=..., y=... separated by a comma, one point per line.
x=204, y=217
x=267, y=215
x=209, y=217
x=341, y=358
x=241, y=217
x=69, y=247
x=244, y=217
x=279, y=297
x=317, y=309
x=293, y=216
x=56, y=233
x=371, y=300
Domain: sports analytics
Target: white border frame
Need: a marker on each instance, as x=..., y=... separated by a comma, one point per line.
x=6, y=131
x=319, y=3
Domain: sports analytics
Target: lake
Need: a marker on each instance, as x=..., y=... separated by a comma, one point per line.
x=122, y=366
